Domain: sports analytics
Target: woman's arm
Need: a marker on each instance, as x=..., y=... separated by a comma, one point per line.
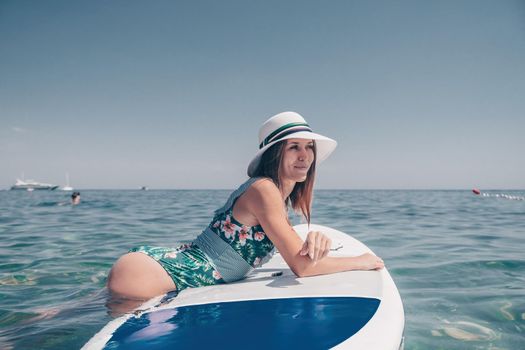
x=330, y=264
x=264, y=201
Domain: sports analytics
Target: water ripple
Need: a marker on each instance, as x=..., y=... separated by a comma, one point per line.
x=457, y=259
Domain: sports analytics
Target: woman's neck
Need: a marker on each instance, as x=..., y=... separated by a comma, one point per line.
x=287, y=188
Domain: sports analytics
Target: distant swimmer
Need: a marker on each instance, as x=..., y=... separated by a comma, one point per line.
x=75, y=198
x=497, y=195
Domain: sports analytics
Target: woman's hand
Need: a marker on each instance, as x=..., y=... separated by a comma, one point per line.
x=317, y=245
x=369, y=261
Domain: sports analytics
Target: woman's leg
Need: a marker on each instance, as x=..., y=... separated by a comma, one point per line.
x=138, y=276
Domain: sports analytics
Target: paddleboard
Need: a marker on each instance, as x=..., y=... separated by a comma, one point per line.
x=271, y=308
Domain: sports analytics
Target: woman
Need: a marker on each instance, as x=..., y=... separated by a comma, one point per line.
x=244, y=232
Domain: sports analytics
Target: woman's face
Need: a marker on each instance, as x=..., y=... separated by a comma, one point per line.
x=298, y=155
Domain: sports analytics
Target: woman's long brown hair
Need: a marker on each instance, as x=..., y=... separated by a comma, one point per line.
x=302, y=194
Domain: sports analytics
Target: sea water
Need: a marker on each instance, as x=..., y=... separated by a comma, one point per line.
x=458, y=259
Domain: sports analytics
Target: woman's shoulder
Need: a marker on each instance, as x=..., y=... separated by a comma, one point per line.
x=264, y=189
x=263, y=184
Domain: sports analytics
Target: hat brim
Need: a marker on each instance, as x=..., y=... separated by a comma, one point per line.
x=324, y=147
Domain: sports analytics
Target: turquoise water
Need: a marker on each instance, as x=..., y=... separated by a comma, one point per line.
x=457, y=259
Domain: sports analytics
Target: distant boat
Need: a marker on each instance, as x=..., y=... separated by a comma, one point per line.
x=67, y=187
x=30, y=185
x=144, y=188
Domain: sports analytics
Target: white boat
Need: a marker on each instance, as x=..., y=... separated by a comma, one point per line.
x=31, y=185
x=271, y=309
x=67, y=187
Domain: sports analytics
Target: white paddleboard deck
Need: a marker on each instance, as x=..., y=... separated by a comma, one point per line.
x=272, y=308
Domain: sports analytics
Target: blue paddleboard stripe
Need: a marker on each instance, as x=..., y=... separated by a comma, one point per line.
x=313, y=323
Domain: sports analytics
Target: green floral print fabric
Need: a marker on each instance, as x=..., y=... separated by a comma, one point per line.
x=187, y=265
x=249, y=241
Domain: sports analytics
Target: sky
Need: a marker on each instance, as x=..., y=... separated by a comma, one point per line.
x=171, y=94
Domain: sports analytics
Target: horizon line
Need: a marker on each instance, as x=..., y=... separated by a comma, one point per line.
x=229, y=189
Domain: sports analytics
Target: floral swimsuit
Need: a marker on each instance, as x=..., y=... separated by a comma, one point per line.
x=190, y=267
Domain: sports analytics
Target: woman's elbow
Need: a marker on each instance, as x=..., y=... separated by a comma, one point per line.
x=297, y=272
x=300, y=270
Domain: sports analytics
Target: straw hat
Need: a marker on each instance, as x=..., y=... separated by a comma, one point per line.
x=289, y=125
